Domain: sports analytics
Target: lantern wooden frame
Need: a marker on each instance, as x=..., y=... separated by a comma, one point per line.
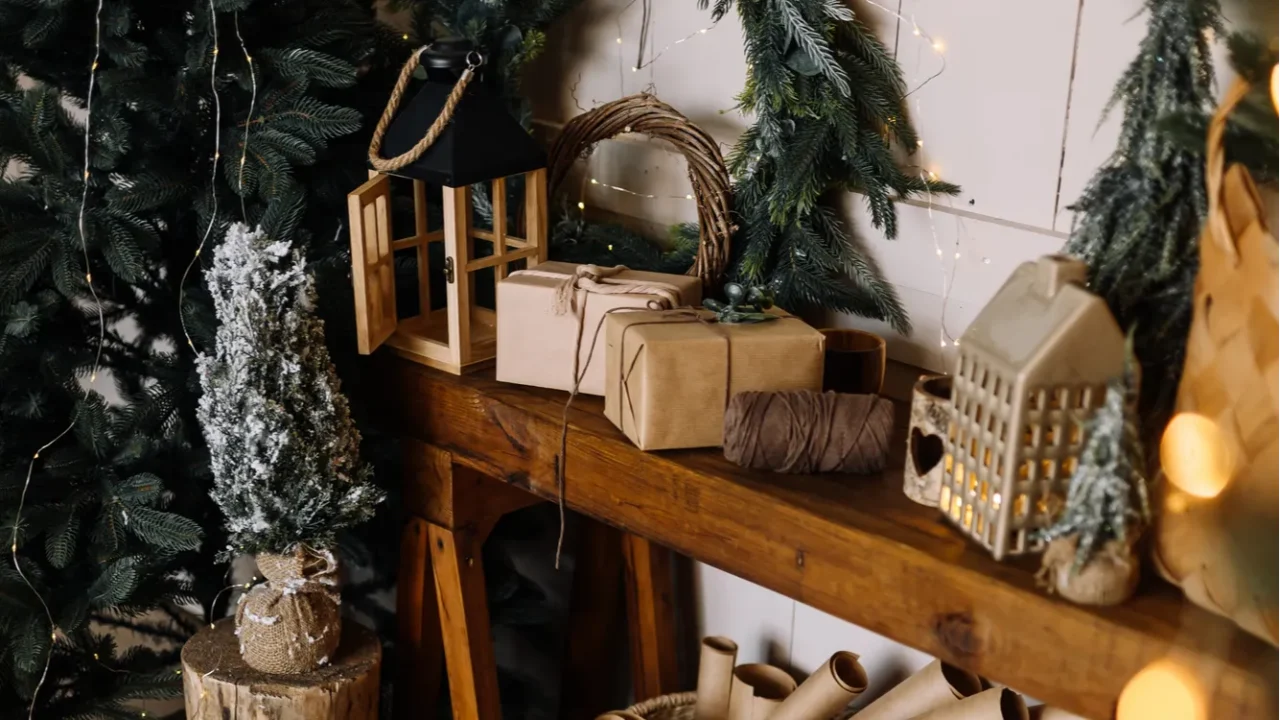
x=461, y=336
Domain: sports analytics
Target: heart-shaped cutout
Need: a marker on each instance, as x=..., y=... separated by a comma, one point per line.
x=925, y=450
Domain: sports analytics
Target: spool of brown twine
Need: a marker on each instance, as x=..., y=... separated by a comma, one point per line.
x=803, y=431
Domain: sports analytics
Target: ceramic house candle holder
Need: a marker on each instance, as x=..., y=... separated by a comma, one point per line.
x=1032, y=369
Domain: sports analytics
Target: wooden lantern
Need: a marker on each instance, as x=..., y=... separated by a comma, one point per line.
x=478, y=142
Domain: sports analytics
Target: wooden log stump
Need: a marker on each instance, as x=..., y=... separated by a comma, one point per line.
x=219, y=684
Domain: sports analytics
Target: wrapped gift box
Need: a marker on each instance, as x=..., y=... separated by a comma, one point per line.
x=536, y=342
x=669, y=375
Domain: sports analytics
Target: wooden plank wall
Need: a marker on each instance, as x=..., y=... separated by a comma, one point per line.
x=1014, y=119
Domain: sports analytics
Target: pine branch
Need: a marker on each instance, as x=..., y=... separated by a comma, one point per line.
x=828, y=103
x=1139, y=218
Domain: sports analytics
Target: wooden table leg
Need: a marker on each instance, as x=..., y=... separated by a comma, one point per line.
x=651, y=617
x=458, y=507
x=419, y=647
x=464, y=619
x=590, y=682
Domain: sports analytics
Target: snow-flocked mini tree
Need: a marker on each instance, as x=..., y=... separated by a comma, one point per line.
x=1107, y=495
x=283, y=448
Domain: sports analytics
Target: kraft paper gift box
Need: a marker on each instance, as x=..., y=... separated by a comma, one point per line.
x=536, y=342
x=669, y=375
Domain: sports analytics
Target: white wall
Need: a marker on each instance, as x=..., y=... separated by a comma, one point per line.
x=1014, y=119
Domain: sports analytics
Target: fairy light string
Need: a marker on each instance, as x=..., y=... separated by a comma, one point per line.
x=248, y=122
x=213, y=189
x=946, y=274
x=87, y=388
x=654, y=58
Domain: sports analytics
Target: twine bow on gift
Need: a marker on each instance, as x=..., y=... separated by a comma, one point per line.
x=593, y=280
x=598, y=280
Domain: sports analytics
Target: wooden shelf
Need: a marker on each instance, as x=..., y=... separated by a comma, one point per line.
x=851, y=546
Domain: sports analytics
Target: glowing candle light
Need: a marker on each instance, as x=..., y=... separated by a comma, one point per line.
x=1164, y=690
x=1196, y=456
x=1275, y=87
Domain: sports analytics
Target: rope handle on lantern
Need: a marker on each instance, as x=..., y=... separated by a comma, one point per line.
x=382, y=164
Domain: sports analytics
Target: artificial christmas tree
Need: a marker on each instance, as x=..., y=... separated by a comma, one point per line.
x=285, y=455
x=283, y=450
x=102, y=534
x=1141, y=213
x=1090, y=558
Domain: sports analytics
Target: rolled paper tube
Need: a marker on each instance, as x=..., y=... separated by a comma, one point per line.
x=715, y=678
x=758, y=682
x=1044, y=712
x=937, y=685
x=826, y=692
x=993, y=704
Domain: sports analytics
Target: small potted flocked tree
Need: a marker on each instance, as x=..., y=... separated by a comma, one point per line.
x=283, y=449
x=1090, y=558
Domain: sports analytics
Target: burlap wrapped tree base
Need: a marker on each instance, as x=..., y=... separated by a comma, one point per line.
x=292, y=622
x=219, y=684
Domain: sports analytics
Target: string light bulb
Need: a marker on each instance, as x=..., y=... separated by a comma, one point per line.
x=1164, y=689
x=1196, y=455
x=582, y=205
x=1275, y=87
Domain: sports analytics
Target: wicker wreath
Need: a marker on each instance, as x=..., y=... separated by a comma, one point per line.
x=707, y=172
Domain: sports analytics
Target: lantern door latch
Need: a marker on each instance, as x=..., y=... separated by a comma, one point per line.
x=448, y=270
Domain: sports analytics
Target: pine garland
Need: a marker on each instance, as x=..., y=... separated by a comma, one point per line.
x=829, y=105
x=1139, y=218
x=284, y=452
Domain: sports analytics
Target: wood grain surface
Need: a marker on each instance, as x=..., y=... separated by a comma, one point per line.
x=854, y=547
x=218, y=684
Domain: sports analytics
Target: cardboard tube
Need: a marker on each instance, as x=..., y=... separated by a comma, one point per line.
x=826, y=692
x=993, y=704
x=935, y=686
x=715, y=678
x=757, y=688
x=1044, y=712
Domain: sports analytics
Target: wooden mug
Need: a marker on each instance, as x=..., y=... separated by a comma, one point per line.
x=854, y=361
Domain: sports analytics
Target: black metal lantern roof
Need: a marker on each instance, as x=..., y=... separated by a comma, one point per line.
x=482, y=141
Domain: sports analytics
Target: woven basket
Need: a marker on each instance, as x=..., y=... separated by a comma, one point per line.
x=676, y=706
x=1222, y=551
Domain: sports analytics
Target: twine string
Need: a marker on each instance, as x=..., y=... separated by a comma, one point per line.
x=433, y=133
x=592, y=279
